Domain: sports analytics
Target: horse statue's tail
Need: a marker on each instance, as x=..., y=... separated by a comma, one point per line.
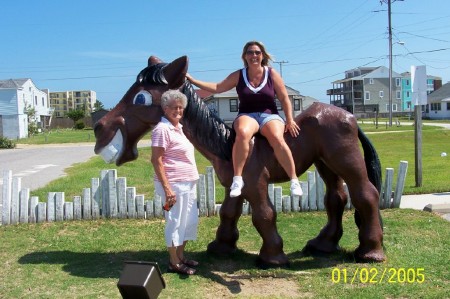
x=371, y=159
x=373, y=167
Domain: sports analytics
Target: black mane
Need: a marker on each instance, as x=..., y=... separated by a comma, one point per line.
x=153, y=74
x=207, y=128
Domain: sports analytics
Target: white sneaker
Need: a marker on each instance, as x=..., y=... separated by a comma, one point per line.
x=236, y=187
x=296, y=189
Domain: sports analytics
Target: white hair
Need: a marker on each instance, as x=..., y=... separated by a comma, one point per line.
x=171, y=96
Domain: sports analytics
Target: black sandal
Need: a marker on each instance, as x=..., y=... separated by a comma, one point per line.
x=190, y=263
x=181, y=269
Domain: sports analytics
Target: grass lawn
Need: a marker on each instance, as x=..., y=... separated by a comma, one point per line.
x=84, y=259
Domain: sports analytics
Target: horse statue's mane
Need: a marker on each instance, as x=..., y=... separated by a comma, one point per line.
x=205, y=126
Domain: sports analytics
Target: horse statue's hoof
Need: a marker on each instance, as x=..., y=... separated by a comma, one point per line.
x=262, y=264
x=374, y=256
x=221, y=249
x=317, y=248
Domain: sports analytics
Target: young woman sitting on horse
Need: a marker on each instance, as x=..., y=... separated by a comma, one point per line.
x=257, y=85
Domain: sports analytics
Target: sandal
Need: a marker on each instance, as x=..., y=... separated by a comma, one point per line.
x=190, y=263
x=181, y=269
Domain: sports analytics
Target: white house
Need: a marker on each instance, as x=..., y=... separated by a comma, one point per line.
x=438, y=103
x=226, y=104
x=17, y=96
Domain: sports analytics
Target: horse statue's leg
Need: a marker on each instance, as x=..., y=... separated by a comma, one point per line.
x=227, y=233
x=264, y=219
x=335, y=199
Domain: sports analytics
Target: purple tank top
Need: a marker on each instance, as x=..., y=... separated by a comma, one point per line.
x=259, y=99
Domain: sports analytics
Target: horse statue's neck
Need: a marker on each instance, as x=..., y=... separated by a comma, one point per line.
x=206, y=129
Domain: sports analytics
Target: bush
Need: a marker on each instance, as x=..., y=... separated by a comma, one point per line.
x=6, y=143
x=79, y=125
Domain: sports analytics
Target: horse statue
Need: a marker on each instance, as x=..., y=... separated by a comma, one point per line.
x=328, y=139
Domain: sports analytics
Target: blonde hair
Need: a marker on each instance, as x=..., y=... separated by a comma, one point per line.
x=266, y=56
x=171, y=96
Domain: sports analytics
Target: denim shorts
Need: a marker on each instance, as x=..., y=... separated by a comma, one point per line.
x=262, y=118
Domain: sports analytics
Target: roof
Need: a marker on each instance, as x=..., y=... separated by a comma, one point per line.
x=379, y=72
x=13, y=83
x=440, y=95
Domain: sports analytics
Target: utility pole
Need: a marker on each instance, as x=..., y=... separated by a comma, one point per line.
x=280, y=63
x=390, y=56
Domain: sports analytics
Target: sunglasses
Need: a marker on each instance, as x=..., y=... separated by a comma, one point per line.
x=252, y=52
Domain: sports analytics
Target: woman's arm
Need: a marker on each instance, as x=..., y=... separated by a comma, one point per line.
x=282, y=95
x=158, y=166
x=225, y=85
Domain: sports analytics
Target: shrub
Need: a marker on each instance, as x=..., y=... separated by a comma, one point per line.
x=6, y=143
x=79, y=125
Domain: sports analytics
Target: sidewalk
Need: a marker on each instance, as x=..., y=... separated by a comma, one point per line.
x=435, y=202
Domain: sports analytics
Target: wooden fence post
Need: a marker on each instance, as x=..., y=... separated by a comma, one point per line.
x=68, y=210
x=201, y=193
x=312, y=194
x=277, y=193
x=51, y=203
x=104, y=194
x=121, y=185
x=6, y=197
x=34, y=200
x=403, y=168
x=59, y=206
x=385, y=201
x=131, y=202
x=15, y=198
x=211, y=191
x=24, y=200
x=140, y=206
x=304, y=199
x=86, y=199
x=112, y=192
x=320, y=189
x=77, y=215
x=95, y=200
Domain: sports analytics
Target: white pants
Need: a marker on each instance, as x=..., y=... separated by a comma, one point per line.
x=182, y=219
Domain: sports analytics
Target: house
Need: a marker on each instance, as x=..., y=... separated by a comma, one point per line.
x=366, y=89
x=438, y=103
x=21, y=105
x=65, y=101
x=226, y=104
x=433, y=83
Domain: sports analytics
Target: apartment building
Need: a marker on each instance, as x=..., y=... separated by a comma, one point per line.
x=65, y=101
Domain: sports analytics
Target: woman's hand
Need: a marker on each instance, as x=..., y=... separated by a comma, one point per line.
x=171, y=198
x=293, y=128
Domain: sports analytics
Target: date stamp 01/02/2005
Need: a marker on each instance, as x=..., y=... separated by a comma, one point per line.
x=374, y=275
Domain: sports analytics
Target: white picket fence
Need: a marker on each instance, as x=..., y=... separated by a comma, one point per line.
x=110, y=197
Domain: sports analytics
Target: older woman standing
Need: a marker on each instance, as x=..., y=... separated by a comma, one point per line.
x=176, y=177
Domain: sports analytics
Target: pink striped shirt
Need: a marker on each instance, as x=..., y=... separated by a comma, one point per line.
x=178, y=159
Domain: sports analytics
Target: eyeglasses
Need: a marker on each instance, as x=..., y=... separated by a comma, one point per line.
x=252, y=52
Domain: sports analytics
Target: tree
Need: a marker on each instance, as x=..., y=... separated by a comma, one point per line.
x=32, y=124
x=98, y=105
x=75, y=115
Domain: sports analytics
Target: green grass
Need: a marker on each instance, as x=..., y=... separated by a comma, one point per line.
x=84, y=259
x=60, y=136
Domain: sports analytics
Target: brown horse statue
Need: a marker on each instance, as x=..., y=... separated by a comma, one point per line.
x=329, y=139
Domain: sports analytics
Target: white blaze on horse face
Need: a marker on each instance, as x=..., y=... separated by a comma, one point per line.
x=110, y=153
x=143, y=98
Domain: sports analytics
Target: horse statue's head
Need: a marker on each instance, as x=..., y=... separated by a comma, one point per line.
x=118, y=132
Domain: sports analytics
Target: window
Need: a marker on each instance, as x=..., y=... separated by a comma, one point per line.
x=367, y=95
x=43, y=103
x=371, y=81
x=381, y=93
x=398, y=81
x=233, y=105
x=399, y=95
x=35, y=100
x=435, y=107
x=408, y=94
x=448, y=106
x=408, y=105
x=296, y=104
x=394, y=107
x=407, y=82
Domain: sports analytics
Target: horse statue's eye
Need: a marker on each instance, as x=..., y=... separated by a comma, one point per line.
x=143, y=98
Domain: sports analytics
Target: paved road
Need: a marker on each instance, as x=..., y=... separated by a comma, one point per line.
x=39, y=165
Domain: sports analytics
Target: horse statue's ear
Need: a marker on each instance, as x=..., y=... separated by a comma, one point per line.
x=175, y=72
x=152, y=60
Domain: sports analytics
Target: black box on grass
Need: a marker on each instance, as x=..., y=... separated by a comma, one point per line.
x=141, y=280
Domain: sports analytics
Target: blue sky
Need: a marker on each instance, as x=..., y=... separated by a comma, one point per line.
x=102, y=45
